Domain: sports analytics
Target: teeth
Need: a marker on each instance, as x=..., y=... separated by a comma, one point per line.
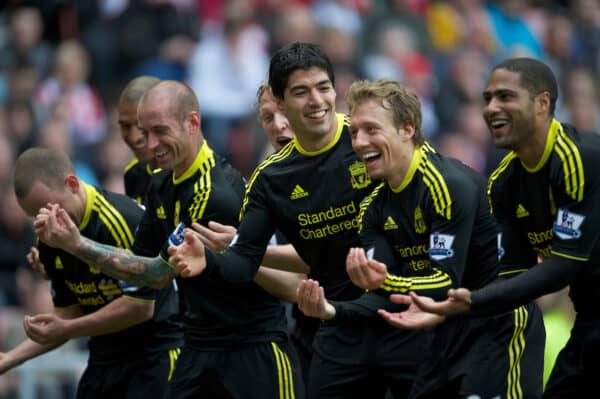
x=370, y=155
x=160, y=154
x=318, y=114
x=497, y=123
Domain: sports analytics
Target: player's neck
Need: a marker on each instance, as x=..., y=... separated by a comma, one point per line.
x=312, y=142
x=532, y=151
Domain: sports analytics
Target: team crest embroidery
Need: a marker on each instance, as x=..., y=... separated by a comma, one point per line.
x=567, y=224
x=440, y=246
x=420, y=226
x=358, y=175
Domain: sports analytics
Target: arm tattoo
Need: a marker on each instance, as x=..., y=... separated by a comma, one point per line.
x=122, y=264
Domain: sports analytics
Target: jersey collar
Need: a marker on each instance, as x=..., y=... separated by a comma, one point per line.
x=90, y=194
x=414, y=163
x=205, y=155
x=338, y=133
x=555, y=128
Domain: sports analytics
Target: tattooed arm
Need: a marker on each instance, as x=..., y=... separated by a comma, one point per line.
x=54, y=227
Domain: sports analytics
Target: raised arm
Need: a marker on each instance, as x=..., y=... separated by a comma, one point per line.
x=54, y=227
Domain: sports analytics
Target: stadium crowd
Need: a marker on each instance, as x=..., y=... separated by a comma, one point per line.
x=63, y=65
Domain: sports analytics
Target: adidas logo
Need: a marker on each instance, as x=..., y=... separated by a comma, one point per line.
x=390, y=224
x=298, y=192
x=160, y=213
x=521, y=211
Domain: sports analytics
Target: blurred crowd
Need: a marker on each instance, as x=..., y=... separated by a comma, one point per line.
x=64, y=62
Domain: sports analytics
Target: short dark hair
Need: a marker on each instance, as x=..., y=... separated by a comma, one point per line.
x=535, y=76
x=135, y=89
x=296, y=56
x=47, y=165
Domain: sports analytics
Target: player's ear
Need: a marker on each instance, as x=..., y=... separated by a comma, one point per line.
x=72, y=183
x=407, y=132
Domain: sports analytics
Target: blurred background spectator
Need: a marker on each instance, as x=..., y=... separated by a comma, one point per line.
x=63, y=63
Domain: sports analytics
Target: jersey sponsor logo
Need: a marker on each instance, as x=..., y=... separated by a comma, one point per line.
x=108, y=288
x=567, y=224
x=306, y=218
x=334, y=220
x=390, y=224
x=521, y=211
x=420, y=226
x=298, y=192
x=160, y=213
x=58, y=263
x=540, y=237
x=500, y=247
x=92, y=301
x=80, y=287
x=176, y=236
x=358, y=175
x=440, y=246
x=409, y=252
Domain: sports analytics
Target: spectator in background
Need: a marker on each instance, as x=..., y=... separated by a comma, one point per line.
x=68, y=87
x=55, y=134
x=462, y=83
x=581, y=106
x=21, y=124
x=24, y=45
x=227, y=66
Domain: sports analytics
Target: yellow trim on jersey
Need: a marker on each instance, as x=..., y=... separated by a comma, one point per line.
x=569, y=256
x=516, y=348
x=203, y=161
x=173, y=355
x=571, y=163
x=427, y=147
x=550, y=140
x=202, y=190
x=276, y=157
x=131, y=164
x=341, y=121
x=285, y=376
x=138, y=299
x=509, y=272
x=412, y=168
x=90, y=194
x=394, y=283
x=437, y=186
x=114, y=221
x=504, y=163
x=364, y=205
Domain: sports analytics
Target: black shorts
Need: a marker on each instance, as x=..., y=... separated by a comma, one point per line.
x=577, y=367
x=145, y=377
x=363, y=358
x=263, y=370
x=500, y=356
